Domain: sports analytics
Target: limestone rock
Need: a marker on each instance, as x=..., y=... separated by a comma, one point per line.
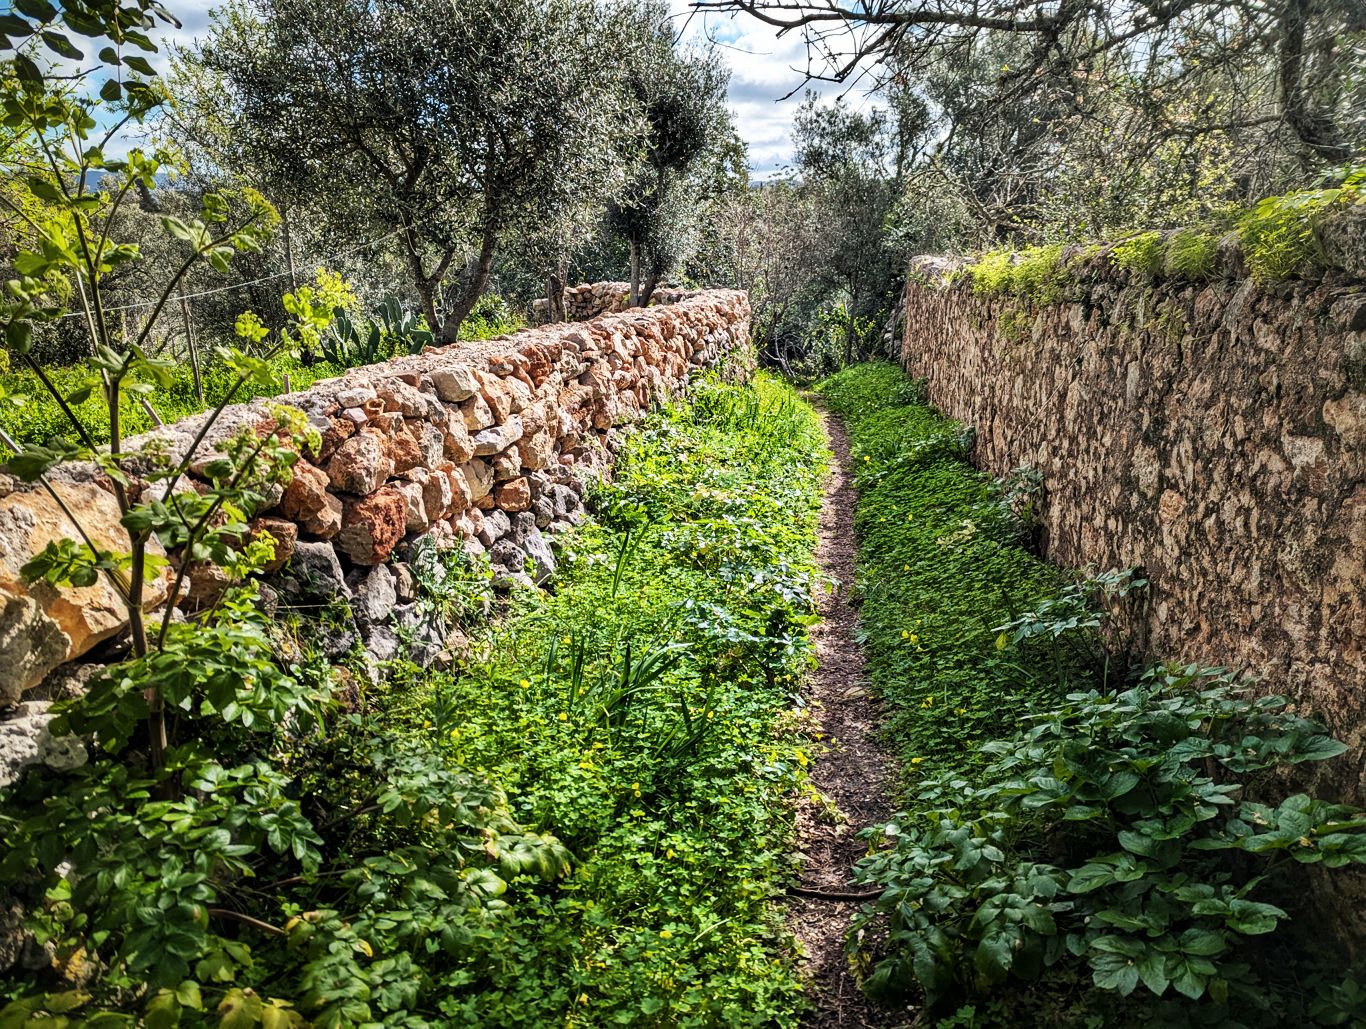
x=479, y=477
x=476, y=413
x=454, y=383
x=372, y=525
x=456, y=442
x=25, y=740
x=42, y=626
x=374, y=595
x=361, y=464
x=536, y=451
x=285, y=534
x=494, y=526
x=314, y=572
x=498, y=438
x=415, y=505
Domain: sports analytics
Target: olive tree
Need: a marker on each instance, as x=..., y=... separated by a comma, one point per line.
x=680, y=95
x=451, y=127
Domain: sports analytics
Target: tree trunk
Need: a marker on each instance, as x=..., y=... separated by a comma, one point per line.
x=426, y=295
x=554, y=294
x=648, y=289
x=635, y=274
x=474, y=289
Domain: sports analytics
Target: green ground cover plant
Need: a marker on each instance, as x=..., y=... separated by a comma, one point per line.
x=1082, y=845
x=941, y=568
x=644, y=715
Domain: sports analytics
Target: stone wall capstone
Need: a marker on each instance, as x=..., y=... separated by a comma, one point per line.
x=474, y=445
x=1213, y=433
x=590, y=299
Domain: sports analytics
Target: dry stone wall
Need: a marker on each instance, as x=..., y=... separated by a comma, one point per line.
x=590, y=299
x=1213, y=433
x=481, y=446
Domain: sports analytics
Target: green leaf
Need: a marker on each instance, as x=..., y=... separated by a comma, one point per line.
x=176, y=227
x=39, y=10
x=139, y=65
x=1152, y=970
x=163, y=1012
x=59, y=44
x=188, y=994
x=19, y=336
x=1203, y=942
x=27, y=71
x=1250, y=917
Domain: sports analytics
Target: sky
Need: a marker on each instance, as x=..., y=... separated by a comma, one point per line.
x=763, y=67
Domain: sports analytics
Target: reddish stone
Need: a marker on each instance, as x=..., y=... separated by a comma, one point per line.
x=372, y=525
x=307, y=502
x=284, y=533
x=403, y=451
x=513, y=496
x=333, y=436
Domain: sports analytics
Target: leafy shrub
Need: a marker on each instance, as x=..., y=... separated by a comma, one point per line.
x=1112, y=831
x=491, y=316
x=1280, y=233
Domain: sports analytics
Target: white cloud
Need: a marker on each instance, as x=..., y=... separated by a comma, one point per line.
x=768, y=80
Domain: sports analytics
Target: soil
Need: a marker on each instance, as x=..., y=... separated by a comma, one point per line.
x=854, y=774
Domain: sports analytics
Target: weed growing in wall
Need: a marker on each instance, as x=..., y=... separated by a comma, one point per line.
x=1280, y=234
x=1035, y=274
x=1191, y=254
x=1141, y=253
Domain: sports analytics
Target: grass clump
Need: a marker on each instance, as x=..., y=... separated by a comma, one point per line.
x=1191, y=254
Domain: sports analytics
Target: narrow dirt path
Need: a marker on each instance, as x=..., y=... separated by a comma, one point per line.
x=854, y=775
